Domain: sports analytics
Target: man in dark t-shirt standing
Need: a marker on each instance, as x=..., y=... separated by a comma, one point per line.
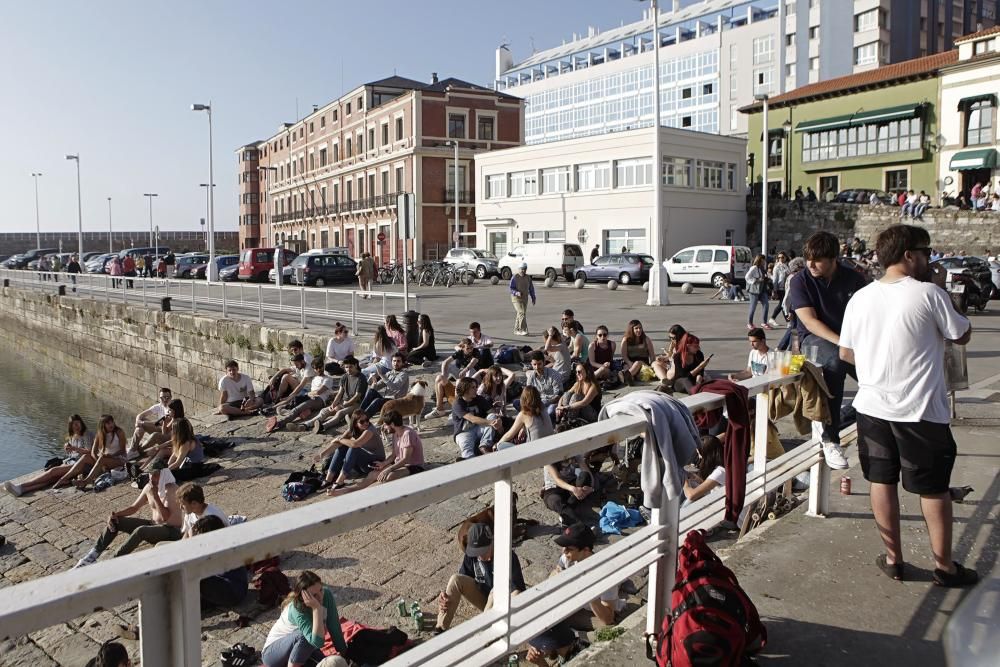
x=819, y=297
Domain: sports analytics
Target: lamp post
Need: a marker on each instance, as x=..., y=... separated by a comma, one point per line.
x=762, y=97
x=111, y=247
x=149, y=196
x=38, y=224
x=212, y=274
x=79, y=204
x=207, y=206
x=455, y=186
x=787, y=154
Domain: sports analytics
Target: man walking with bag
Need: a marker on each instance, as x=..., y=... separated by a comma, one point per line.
x=902, y=403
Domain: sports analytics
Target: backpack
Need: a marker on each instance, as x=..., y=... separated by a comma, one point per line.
x=271, y=584
x=712, y=621
x=372, y=646
x=300, y=485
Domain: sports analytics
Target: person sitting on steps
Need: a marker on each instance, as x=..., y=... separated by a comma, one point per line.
x=236, y=393
x=353, y=387
x=320, y=393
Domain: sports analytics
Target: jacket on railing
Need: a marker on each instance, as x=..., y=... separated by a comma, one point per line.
x=736, y=446
x=670, y=443
x=806, y=401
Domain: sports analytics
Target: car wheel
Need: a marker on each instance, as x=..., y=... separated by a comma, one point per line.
x=481, y=272
x=624, y=278
x=717, y=280
x=262, y=277
x=505, y=273
x=320, y=282
x=581, y=275
x=550, y=273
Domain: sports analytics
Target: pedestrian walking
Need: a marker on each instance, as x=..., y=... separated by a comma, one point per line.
x=521, y=288
x=115, y=271
x=365, y=272
x=902, y=403
x=73, y=268
x=758, y=285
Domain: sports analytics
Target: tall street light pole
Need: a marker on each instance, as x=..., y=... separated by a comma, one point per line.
x=455, y=185
x=657, y=295
x=38, y=224
x=212, y=274
x=149, y=196
x=79, y=204
x=111, y=247
x=766, y=141
x=207, y=206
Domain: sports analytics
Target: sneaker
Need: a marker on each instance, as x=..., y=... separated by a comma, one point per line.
x=89, y=559
x=834, y=455
x=434, y=414
x=317, y=426
x=13, y=489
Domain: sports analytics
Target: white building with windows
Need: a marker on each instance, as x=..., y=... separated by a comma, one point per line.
x=598, y=190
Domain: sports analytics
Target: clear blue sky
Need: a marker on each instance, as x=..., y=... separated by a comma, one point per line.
x=114, y=80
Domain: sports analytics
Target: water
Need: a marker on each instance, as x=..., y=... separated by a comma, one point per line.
x=35, y=405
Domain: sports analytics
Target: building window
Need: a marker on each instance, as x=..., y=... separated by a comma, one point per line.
x=555, y=179
x=866, y=54
x=312, y=161
x=790, y=39
x=633, y=173
x=710, y=174
x=734, y=117
x=897, y=179
x=686, y=121
x=495, y=186
x=686, y=93
x=334, y=115
x=485, y=128
x=775, y=149
x=371, y=138
x=522, y=183
x=871, y=139
x=763, y=50
x=347, y=109
x=385, y=133
x=733, y=87
x=634, y=240
x=790, y=8
x=322, y=121
x=456, y=126
x=984, y=46
x=347, y=147
x=311, y=127
x=979, y=123
x=336, y=152
x=400, y=184
x=361, y=103
x=814, y=64
x=814, y=32
x=763, y=80
x=322, y=157
x=385, y=182
x=593, y=176
x=399, y=129
x=731, y=177
x=677, y=172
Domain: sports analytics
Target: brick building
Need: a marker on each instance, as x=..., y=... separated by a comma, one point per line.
x=332, y=178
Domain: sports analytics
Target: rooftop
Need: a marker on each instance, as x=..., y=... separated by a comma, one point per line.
x=995, y=30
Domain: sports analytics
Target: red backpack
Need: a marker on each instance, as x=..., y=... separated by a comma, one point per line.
x=712, y=621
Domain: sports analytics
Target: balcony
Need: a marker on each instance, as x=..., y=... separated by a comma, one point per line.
x=464, y=196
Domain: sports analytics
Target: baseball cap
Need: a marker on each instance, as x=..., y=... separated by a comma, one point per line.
x=480, y=540
x=578, y=535
x=522, y=265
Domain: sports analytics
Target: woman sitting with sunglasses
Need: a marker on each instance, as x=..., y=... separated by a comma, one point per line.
x=354, y=452
x=601, y=355
x=583, y=399
x=663, y=361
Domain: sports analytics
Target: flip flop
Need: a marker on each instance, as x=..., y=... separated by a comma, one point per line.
x=893, y=571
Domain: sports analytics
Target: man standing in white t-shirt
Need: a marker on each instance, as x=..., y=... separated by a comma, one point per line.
x=236, y=394
x=902, y=403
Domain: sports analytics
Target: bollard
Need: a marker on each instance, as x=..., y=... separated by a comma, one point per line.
x=411, y=328
x=165, y=304
x=62, y=290
x=6, y=282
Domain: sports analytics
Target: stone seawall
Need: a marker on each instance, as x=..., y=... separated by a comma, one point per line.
x=125, y=352
x=951, y=230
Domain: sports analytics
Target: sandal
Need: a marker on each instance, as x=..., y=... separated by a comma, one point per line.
x=893, y=570
x=962, y=576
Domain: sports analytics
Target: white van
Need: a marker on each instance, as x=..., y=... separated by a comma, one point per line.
x=709, y=264
x=544, y=259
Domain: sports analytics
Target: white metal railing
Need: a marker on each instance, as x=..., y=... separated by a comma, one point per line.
x=165, y=579
x=312, y=305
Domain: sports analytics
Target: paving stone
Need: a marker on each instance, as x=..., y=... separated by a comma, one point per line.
x=64, y=537
x=45, y=555
x=24, y=572
x=66, y=646
x=24, y=653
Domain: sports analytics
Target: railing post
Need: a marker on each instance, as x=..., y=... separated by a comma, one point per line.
x=281, y=291
x=260, y=304
x=383, y=306
x=143, y=292
x=194, y=304
x=224, y=313
x=154, y=645
x=302, y=306
x=503, y=524
x=185, y=618
x=760, y=436
x=107, y=289
x=354, y=312
x=663, y=571
x=819, y=489
x=326, y=302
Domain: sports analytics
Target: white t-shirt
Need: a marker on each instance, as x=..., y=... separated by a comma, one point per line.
x=305, y=372
x=320, y=381
x=757, y=362
x=897, y=331
x=236, y=390
x=190, y=518
x=338, y=351
x=156, y=412
x=719, y=477
x=483, y=342
x=611, y=595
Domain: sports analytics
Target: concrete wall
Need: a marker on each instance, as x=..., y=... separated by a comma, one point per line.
x=127, y=352
x=951, y=230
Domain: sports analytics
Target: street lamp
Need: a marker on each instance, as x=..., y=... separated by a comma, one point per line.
x=38, y=224
x=111, y=247
x=212, y=273
x=766, y=140
x=787, y=155
x=79, y=204
x=207, y=206
x=455, y=185
x=149, y=196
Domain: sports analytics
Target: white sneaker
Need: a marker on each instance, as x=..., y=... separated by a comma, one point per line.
x=834, y=455
x=89, y=559
x=131, y=454
x=13, y=489
x=434, y=414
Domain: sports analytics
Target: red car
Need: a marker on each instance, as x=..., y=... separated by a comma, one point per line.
x=256, y=262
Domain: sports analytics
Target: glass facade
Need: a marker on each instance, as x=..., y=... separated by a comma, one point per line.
x=871, y=139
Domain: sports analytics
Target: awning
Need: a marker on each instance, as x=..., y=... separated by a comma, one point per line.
x=966, y=102
x=985, y=158
x=859, y=118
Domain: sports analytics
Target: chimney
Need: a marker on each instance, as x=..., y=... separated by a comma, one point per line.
x=434, y=77
x=591, y=31
x=677, y=6
x=315, y=108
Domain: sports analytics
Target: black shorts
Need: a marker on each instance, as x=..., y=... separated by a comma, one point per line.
x=415, y=469
x=923, y=451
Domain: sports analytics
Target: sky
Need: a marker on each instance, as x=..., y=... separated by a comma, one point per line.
x=114, y=82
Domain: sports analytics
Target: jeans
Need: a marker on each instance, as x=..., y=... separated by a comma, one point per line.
x=564, y=503
x=224, y=592
x=473, y=437
x=779, y=296
x=786, y=340
x=140, y=530
x=352, y=461
x=754, y=300
x=313, y=405
x=372, y=402
x=293, y=648
x=835, y=372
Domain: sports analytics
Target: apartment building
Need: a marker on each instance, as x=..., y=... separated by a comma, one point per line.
x=716, y=55
x=333, y=177
x=248, y=175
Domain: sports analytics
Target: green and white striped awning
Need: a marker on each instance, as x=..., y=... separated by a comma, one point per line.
x=985, y=158
x=859, y=118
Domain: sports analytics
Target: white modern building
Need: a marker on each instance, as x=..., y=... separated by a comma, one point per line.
x=716, y=55
x=969, y=138
x=598, y=190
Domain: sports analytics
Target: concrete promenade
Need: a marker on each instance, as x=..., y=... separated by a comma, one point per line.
x=812, y=578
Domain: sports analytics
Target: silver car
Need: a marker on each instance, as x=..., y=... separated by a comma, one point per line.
x=483, y=262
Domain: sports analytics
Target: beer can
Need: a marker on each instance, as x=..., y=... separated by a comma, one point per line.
x=845, y=485
x=513, y=660
x=414, y=608
x=401, y=606
x=418, y=621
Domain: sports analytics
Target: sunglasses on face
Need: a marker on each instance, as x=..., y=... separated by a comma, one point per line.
x=364, y=420
x=602, y=335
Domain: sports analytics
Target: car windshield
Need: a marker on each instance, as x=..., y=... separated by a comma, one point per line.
x=300, y=260
x=484, y=254
x=647, y=260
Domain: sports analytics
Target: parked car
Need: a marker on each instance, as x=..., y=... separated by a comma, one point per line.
x=862, y=196
x=10, y=262
x=995, y=276
x=709, y=264
x=255, y=263
x=185, y=265
x=322, y=270
x=625, y=268
x=99, y=264
x=544, y=259
x=221, y=262
x=87, y=256
x=287, y=271
x=228, y=274
x=21, y=261
x=483, y=262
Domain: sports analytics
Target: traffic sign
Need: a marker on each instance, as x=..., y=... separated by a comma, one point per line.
x=381, y=236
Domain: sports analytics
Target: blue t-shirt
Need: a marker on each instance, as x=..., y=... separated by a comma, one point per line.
x=829, y=300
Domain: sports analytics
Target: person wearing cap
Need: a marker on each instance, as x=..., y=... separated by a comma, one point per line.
x=474, y=580
x=560, y=641
x=521, y=288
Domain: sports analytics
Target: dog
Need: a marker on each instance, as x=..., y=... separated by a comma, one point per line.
x=411, y=405
x=520, y=526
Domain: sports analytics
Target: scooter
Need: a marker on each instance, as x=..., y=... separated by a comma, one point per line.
x=968, y=289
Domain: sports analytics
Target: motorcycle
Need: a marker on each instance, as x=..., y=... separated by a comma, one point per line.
x=973, y=289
